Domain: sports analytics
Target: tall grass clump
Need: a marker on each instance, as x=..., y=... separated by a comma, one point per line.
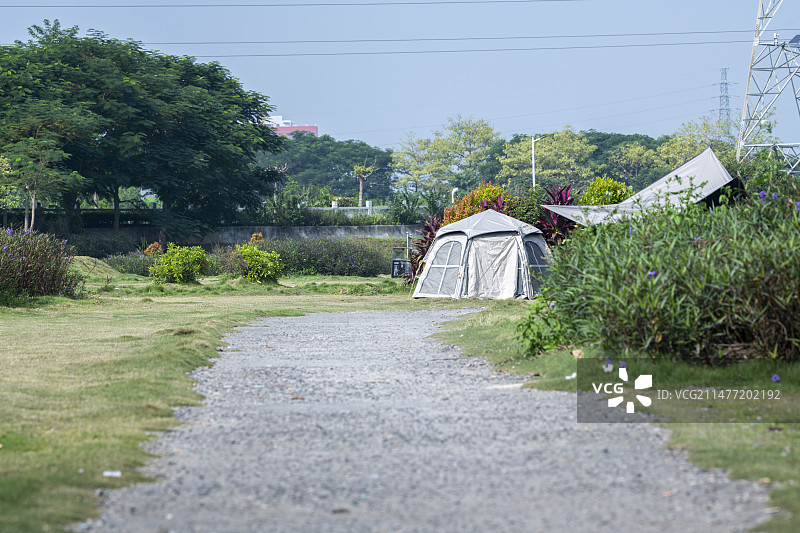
x=335, y=257
x=131, y=263
x=698, y=284
x=35, y=264
x=100, y=245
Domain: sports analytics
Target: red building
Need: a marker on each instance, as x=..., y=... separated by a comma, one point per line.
x=287, y=127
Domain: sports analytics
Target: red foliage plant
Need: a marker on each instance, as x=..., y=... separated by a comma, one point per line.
x=484, y=196
x=556, y=228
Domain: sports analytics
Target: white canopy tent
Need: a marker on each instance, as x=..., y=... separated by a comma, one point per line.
x=488, y=255
x=705, y=174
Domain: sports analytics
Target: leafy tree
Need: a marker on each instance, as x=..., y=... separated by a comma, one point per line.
x=562, y=158
x=491, y=166
x=326, y=162
x=707, y=132
x=35, y=171
x=607, y=142
x=631, y=160
x=466, y=145
x=33, y=135
x=6, y=190
x=516, y=165
x=187, y=131
x=361, y=173
x=454, y=157
x=420, y=163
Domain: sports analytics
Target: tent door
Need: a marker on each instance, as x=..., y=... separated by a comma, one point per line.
x=492, y=267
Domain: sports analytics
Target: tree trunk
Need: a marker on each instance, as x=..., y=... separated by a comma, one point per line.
x=27, y=219
x=360, y=191
x=33, y=210
x=116, y=209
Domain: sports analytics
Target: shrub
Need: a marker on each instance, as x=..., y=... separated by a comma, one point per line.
x=180, y=264
x=336, y=257
x=420, y=247
x=35, y=264
x=153, y=249
x=261, y=266
x=526, y=208
x=470, y=204
x=701, y=285
x=132, y=263
x=227, y=261
x=404, y=207
x=606, y=191
x=556, y=228
x=100, y=245
x=344, y=201
x=541, y=330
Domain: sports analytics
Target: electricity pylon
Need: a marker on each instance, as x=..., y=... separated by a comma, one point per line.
x=774, y=66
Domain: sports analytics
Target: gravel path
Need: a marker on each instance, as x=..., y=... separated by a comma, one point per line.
x=358, y=422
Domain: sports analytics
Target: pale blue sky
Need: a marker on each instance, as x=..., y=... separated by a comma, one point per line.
x=382, y=98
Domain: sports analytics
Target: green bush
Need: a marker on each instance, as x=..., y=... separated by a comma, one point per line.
x=35, y=264
x=606, y=191
x=262, y=267
x=335, y=257
x=540, y=331
x=698, y=284
x=100, y=245
x=131, y=263
x=180, y=264
x=526, y=208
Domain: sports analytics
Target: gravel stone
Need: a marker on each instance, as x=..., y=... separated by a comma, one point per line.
x=358, y=422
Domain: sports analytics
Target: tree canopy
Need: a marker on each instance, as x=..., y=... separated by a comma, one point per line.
x=120, y=116
x=454, y=157
x=323, y=161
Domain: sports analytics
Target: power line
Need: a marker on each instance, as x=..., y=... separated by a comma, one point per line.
x=300, y=4
x=451, y=39
x=470, y=50
x=445, y=39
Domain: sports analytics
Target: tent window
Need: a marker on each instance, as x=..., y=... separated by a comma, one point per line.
x=537, y=261
x=443, y=270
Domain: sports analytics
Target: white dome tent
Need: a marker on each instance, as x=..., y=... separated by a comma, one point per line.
x=488, y=255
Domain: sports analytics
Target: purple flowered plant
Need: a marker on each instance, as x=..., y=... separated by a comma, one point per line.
x=652, y=274
x=776, y=378
x=762, y=194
